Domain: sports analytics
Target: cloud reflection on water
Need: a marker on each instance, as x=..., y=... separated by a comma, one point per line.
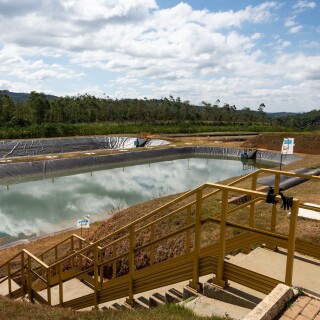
x=29, y=206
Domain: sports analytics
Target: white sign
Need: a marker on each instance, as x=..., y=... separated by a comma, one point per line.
x=287, y=145
x=83, y=223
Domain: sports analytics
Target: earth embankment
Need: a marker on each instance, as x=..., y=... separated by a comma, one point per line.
x=308, y=143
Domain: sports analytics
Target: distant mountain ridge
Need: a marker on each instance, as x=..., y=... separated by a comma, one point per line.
x=21, y=96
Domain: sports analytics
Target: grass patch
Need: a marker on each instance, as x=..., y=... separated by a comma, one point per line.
x=18, y=310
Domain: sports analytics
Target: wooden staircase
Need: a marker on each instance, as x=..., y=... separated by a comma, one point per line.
x=37, y=277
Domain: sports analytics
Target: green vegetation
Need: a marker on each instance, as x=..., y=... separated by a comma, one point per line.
x=19, y=310
x=38, y=115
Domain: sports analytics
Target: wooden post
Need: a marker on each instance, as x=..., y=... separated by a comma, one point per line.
x=23, y=283
x=130, y=300
x=49, y=285
x=291, y=241
x=253, y=205
x=9, y=278
x=42, y=269
x=96, y=276
x=80, y=257
x=152, y=246
x=188, y=231
x=30, y=295
x=274, y=206
x=220, y=279
x=100, y=268
x=195, y=284
x=60, y=284
x=114, y=263
x=274, y=211
x=72, y=250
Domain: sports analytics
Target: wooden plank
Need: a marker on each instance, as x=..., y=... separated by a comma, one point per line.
x=234, y=243
x=308, y=248
x=155, y=269
x=86, y=278
x=208, y=265
x=107, y=295
x=141, y=287
x=16, y=294
x=165, y=273
x=249, y=278
x=81, y=302
x=305, y=247
x=164, y=265
x=116, y=282
x=245, y=272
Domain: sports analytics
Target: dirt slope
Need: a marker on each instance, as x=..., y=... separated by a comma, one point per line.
x=308, y=143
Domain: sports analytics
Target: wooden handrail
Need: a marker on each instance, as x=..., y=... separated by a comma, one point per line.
x=235, y=189
x=35, y=258
x=63, y=241
x=165, y=237
x=114, y=242
x=252, y=229
x=126, y=227
x=38, y=276
x=9, y=260
x=166, y=216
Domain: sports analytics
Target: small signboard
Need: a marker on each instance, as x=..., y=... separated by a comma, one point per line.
x=83, y=223
x=287, y=146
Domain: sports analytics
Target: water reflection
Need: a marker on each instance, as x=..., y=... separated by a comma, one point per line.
x=30, y=206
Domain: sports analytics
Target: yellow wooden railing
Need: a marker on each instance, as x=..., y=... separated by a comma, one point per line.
x=75, y=258
x=65, y=247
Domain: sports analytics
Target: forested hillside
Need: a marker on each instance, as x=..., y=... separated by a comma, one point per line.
x=38, y=115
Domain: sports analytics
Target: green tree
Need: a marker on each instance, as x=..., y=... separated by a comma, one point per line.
x=39, y=107
x=7, y=108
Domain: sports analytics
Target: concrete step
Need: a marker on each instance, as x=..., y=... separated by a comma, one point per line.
x=238, y=257
x=141, y=302
x=233, y=295
x=156, y=300
x=117, y=307
x=4, y=287
x=72, y=289
x=173, y=296
x=207, y=307
x=306, y=270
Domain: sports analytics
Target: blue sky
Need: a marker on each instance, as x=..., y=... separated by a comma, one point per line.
x=240, y=52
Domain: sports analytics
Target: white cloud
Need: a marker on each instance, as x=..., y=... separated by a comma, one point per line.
x=292, y=25
x=302, y=5
x=15, y=65
x=295, y=29
x=290, y=22
x=114, y=9
x=133, y=48
x=300, y=66
x=311, y=44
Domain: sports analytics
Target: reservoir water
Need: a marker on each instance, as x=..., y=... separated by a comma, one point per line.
x=43, y=206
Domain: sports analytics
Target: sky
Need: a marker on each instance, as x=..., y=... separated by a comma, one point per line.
x=239, y=52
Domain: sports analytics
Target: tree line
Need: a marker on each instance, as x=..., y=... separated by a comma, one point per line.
x=61, y=115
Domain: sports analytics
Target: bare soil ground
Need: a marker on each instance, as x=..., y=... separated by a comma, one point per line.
x=307, y=142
